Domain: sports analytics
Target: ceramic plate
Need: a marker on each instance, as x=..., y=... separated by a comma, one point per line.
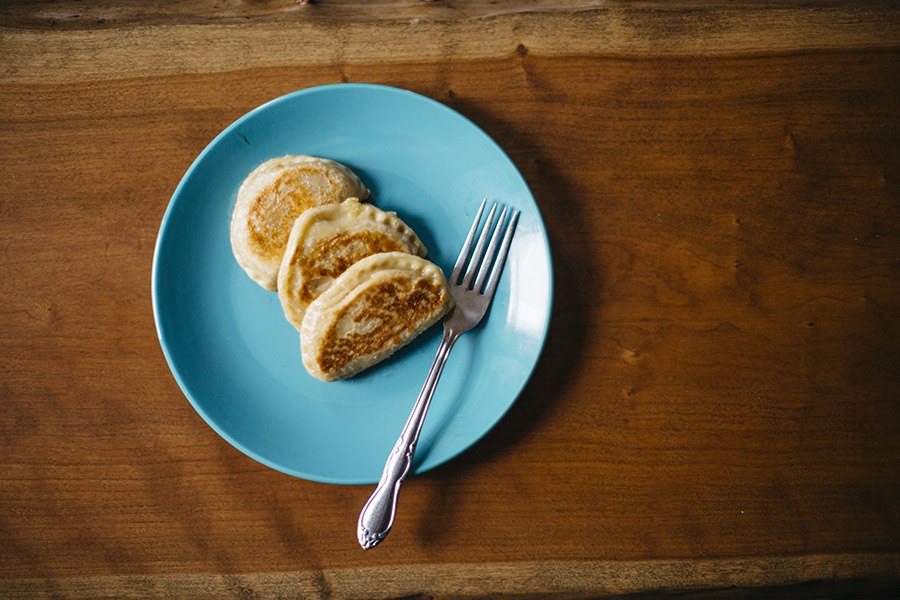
x=238, y=360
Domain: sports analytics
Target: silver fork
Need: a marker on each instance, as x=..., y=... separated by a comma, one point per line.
x=472, y=288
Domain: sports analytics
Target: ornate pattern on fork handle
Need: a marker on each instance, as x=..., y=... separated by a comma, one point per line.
x=382, y=506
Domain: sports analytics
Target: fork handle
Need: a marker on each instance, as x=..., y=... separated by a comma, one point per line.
x=377, y=515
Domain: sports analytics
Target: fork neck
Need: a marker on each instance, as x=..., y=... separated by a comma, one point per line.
x=414, y=424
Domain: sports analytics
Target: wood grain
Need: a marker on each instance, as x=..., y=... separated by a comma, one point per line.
x=430, y=33
x=776, y=578
x=721, y=378
x=75, y=14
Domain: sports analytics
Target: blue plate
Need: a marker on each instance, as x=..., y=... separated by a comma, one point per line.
x=238, y=360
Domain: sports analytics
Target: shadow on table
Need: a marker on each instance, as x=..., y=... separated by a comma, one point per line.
x=576, y=281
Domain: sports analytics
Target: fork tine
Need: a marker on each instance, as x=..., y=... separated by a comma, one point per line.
x=464, y=253
x=479, y=248
x=490, y=252
x=501, y=256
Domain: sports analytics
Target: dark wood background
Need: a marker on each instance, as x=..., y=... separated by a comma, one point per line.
x=718, y=404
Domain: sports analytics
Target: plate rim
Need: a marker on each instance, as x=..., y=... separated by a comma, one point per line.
x=164, y=224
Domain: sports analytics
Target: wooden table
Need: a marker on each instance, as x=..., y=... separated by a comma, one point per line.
x=718, y=404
